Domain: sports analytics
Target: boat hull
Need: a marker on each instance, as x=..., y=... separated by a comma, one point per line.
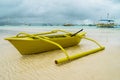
x=106, y=25
x=30, y=46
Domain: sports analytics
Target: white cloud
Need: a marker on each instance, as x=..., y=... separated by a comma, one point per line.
x=58, y=11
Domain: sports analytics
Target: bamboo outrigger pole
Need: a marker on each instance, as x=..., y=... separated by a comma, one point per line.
x=82, y=54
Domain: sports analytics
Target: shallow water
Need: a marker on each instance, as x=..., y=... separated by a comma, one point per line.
x=4, y=29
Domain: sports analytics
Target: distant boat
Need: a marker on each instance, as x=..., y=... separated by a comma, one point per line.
x=68, y=25
x=106, y=22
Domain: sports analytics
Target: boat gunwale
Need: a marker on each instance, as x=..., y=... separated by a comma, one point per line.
x=52, y=38
x=31, y=39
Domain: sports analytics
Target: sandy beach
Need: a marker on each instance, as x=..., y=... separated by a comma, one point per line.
x=103, y=65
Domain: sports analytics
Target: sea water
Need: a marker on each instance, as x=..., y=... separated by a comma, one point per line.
x=11, y=30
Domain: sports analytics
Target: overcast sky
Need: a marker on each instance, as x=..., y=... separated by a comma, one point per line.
x=58, y=11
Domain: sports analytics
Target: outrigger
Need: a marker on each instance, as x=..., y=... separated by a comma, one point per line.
x=35, y=43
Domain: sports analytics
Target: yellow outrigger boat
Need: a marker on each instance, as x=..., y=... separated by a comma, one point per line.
x=35, y=43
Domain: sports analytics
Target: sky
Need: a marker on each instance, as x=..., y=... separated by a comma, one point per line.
x=58, y=11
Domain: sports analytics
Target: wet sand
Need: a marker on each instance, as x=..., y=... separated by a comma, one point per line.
x=103, y=65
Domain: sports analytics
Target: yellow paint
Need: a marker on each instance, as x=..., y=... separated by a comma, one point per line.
x=35, y=43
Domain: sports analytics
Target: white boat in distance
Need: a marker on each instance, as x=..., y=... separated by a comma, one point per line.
x=106, y=22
